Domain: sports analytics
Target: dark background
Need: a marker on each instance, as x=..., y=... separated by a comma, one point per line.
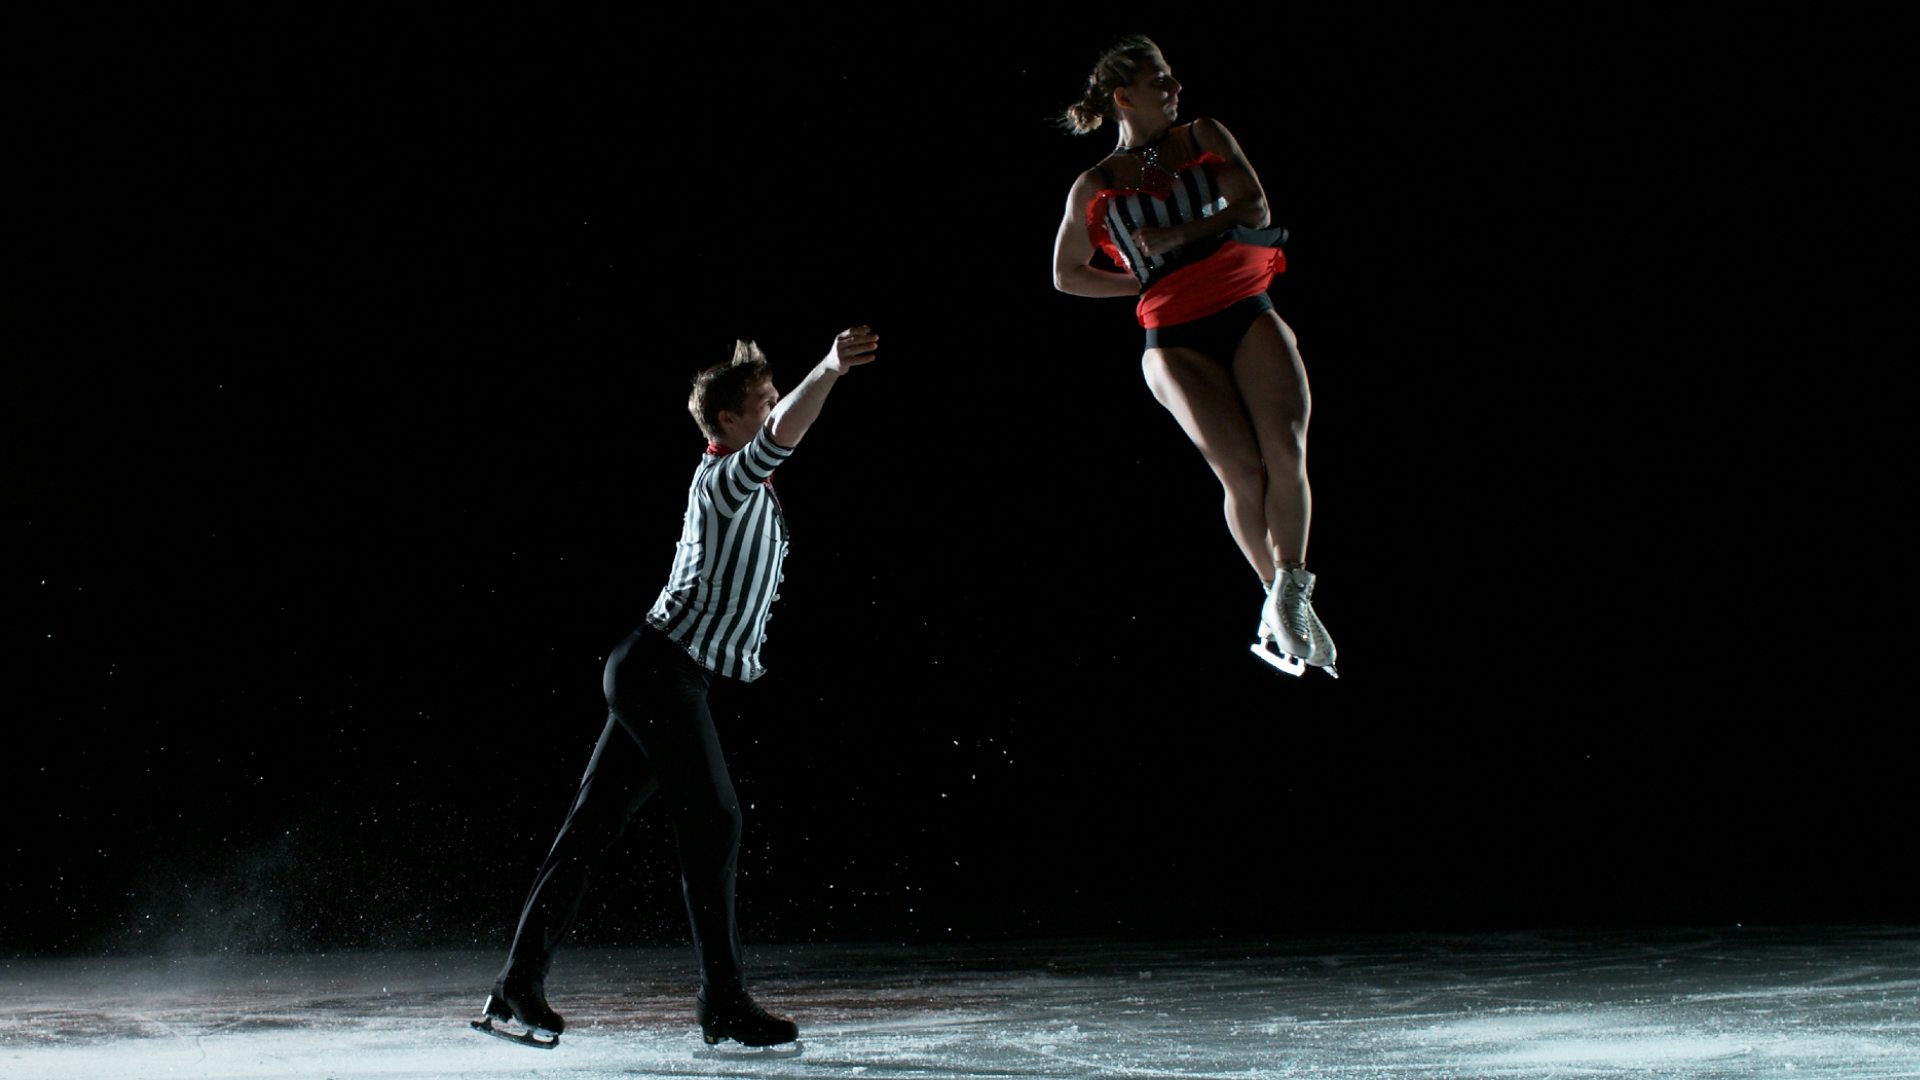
x=349, y=436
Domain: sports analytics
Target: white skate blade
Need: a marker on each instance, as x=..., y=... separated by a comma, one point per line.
x=525, y=1036
x=1282, y=662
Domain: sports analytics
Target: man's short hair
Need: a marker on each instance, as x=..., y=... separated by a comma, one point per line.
x=725, y=386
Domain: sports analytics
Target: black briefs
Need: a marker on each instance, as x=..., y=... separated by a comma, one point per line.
x=1218, y=335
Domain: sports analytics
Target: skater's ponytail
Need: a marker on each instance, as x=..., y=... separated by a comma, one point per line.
x=1117, y=67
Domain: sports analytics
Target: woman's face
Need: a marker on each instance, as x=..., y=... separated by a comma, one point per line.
x=1154, y=92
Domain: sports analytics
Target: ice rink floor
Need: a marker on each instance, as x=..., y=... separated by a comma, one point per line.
x=1838, y=1003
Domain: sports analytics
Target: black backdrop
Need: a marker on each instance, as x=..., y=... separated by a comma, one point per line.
x=353, y=437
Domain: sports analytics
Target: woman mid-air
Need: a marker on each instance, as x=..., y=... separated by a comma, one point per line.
x=1180, y=209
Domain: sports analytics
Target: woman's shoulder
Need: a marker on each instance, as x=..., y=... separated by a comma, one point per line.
x=1181, y=145
x=1209, y=136
x=1197, y=135
x=1101, y=176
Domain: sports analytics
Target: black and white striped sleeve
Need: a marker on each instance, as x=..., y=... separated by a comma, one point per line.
x=739, y=475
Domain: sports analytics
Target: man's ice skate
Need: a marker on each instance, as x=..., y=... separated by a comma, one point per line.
x=731, y=1013
x=1291, y=636
x=520, y=1009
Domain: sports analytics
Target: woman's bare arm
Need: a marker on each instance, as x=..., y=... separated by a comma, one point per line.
x=1073, y=249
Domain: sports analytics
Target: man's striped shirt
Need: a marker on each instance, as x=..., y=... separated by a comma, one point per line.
x=726, y=568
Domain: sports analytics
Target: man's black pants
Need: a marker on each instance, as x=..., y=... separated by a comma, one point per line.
x=659, y=738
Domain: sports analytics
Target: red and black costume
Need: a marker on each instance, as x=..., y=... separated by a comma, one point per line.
x=1171, y=181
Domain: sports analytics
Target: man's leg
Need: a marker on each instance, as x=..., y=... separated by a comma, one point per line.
x=684, y=748
x=668, y=718
x=617, y=783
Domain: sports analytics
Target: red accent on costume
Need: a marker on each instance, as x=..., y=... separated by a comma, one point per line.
x=1097, y=209
x=1213, y=284
x=1233, y=272
x=717, y=450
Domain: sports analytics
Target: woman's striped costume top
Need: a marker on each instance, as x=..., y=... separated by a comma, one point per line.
x=727, y=565
x=1170, y=182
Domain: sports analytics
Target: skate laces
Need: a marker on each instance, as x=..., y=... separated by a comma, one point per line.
x=736, y=1005
x=1294, y=607
x=745, y=1009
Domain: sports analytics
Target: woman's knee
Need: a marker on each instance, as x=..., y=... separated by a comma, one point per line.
x=1244, y=475
x=1287, y=458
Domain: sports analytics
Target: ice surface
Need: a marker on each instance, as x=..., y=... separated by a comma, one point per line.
x=1804, y=1003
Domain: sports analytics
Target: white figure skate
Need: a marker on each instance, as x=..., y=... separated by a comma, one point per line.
x=1291, y=636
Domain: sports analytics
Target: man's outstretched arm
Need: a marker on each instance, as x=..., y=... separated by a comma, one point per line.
x=797, y=411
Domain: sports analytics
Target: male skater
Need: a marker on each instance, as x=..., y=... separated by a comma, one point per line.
x=708, y=620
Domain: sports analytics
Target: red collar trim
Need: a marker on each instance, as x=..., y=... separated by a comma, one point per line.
x=717, y=450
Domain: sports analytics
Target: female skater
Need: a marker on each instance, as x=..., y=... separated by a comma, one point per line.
x=1180, y=209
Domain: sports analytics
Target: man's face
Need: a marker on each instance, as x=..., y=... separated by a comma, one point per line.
x=740, y=427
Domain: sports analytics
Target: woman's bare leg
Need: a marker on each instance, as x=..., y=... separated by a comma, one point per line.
x=1202, y=397
x=1271, y=381
x=1273, y=388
